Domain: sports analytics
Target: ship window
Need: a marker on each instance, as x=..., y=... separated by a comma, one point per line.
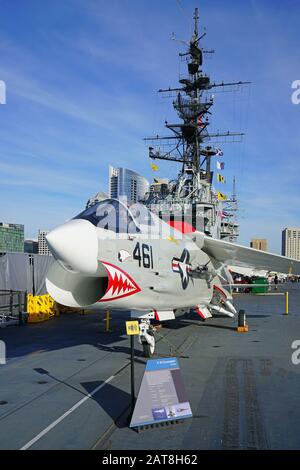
x=110, y=215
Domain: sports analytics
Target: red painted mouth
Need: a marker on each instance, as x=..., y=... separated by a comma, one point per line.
x=120, y=284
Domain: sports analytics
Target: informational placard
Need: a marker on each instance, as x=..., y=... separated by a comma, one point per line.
x=162, y=396
x=132, y=328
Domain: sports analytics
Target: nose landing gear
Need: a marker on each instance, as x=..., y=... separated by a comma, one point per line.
x=146, y=337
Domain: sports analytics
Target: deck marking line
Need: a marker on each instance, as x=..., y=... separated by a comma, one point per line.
x=52, y=425
x=67, y=413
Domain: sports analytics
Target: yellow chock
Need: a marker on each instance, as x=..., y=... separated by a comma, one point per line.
x=107, y=321
x=39, y=308
x=286, y=303
x=242, y=329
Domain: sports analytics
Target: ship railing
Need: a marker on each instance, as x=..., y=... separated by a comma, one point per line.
x=12, y=307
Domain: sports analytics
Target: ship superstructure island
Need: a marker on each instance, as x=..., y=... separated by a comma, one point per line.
x=191, y=196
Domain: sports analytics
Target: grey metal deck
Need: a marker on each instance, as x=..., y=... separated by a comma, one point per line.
x=243, y=388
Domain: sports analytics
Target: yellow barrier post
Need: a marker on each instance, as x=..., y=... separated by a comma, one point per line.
x=107, y=320
x=286, y=303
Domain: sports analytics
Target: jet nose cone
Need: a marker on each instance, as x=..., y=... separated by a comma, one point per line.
x=75, y=245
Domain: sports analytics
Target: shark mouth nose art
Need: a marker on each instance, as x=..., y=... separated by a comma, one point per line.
x=120, y=284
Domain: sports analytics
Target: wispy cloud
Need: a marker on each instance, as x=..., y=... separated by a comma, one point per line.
x=80, y=95
x=46, y=179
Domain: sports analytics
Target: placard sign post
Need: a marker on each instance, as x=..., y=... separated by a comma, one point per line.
x=132, y=328
x=162, y=396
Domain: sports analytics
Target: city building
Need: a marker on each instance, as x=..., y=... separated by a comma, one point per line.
x=159, y=187
x=11, y=237
x=31, y=246
x=42, y=244
x=125, y=182
x=291, y=243
x=259, y=244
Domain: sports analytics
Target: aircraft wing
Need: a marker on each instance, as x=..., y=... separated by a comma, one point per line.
x=248, y=271
x=237, y=255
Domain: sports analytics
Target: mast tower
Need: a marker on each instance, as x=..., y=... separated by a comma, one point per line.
x=190, y=143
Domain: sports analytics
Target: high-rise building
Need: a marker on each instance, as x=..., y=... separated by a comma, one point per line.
x=291, y=243
x=43, y=247
x=31, y=246
x=259, y=244
x=11, y=237
x=159, y=187
x=125, y=182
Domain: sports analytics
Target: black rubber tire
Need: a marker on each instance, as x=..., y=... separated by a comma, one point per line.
x=242, y=318
x=146, y=350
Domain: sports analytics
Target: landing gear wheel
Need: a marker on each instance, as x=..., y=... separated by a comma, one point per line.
x=148, y=349
x=242, y=318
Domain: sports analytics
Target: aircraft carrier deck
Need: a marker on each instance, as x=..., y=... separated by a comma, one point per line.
x=66, y=384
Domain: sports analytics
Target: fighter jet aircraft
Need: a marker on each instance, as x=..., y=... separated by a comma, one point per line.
x=121, y=258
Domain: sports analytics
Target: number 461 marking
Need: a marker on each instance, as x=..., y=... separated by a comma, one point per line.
x=144, y=256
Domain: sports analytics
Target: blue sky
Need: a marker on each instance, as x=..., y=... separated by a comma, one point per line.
x=81, y=78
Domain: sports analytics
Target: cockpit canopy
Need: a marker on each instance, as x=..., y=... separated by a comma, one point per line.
x=112, y=214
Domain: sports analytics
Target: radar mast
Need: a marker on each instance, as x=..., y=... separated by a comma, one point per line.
x=191, y=143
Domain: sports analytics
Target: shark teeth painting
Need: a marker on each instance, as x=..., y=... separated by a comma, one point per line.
x=120, y=284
